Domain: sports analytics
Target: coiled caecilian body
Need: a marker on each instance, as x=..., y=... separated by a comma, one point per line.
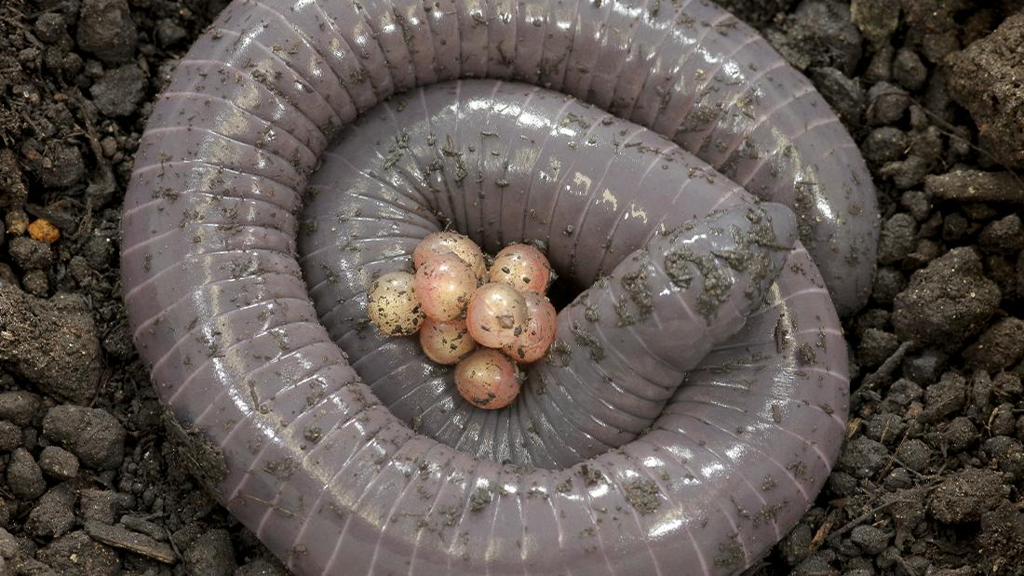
x=249, y=241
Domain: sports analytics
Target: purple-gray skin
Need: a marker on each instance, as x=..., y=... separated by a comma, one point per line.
x=331, y=479
x=441, y=156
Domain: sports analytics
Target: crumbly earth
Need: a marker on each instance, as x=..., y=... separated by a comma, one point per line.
x=93, y=477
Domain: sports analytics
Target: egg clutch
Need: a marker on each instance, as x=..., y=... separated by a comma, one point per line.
x=484, y=320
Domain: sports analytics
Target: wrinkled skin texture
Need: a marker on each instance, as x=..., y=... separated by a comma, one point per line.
x=331, y=479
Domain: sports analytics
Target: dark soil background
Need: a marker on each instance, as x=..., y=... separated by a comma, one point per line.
x=929, y=483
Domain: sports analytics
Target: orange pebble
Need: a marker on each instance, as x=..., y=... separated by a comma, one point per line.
x=43, y=231
x=446, y=342
x=523, y=267
x=461, y=246
x=488, y=379
x=444, y=284
x=496, y=315
x=541, y=323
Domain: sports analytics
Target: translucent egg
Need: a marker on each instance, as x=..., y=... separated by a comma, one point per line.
x=488, y=379
x=444, y=284
x=446, y=342
x=532, y=344
x=496, y=315
x=461, y=246
x=523, y=267
x=393, y=306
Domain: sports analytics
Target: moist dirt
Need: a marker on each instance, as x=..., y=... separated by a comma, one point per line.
x=95, y=478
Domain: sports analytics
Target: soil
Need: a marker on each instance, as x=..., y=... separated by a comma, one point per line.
x=92, y=474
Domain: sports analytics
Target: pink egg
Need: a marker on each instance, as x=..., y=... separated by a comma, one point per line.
x=532, y=344
x=446, y=342
x=392, y=304
x=496, y=315
x=523, y=267
x=488, y=379
x=444, y=242
x=444, y=284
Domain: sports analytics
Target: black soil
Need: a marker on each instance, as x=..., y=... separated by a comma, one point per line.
x=93, y=477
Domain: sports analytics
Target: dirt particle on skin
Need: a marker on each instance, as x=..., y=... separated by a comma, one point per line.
x=644, y=496
x=479, y=500
x=588, y=340
x=591, y=476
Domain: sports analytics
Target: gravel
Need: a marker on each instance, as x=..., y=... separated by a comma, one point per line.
x=106, y=29
x=24, y=477
x=948, y=302
x=91, y=434
x=986, y=79
x=211, y=554
x=966, y=495
x=119, y=91
x=51, y=343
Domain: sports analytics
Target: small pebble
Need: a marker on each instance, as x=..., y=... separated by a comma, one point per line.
x=105, y=505
x=51, y=342
x=42, y=231
x=960, y=434
x=863, y=457
x=16, y=222
x=119, y=91
x=947, y=302
x=875, y=347
x=947, y=396
x=211, y=555
x=92, y=434
x=50, y=27
x=106, y=28
x=169, y=33
x=8, y=545
x=998, y=347
x=870, y=539
x=61, y=166
x=30, y=254
x=916, y=203
x=885, y=428
x=974, y=186
x=71, y=552
x=54, y=515
x=1004, y=236
x=10, y=436
x=888, y=283
x=914, y=454
x=900, y=395
x=906, y=173
x=880, y=67
x=885, y=144
x=909, y=71
x=58, y=463
x=887, y=104
x=985, y=78
x=1002, y=422
x=796, y=546
x=821, y=34
x=964, y=496
x=926, y=367
x=36, y=283
x=24, y=477
x=876, y=19
x=18, y=406
x=897, y=239
x=1008, y=454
